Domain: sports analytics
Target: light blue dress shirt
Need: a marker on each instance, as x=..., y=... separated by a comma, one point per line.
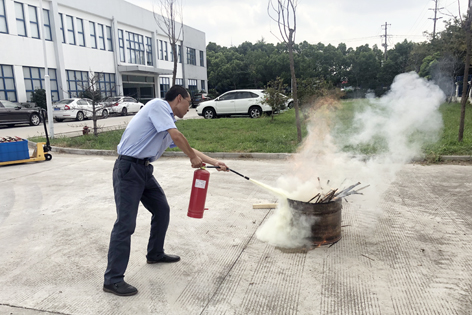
x=146, y=135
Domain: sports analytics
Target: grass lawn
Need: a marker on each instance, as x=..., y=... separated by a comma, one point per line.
x=246, y=135
x=448, y=144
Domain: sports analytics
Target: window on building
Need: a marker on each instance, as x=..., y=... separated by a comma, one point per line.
x=192, y=86
x=3, y=18
x=203, y=86
x=109, y=39
x=34, y=79
x=180, y=53
x=34, y=25
x=7, y=83
x=191, y=56
x=101, y=36
x=70, y=30
x=165, y=51
x=20, y=19
x=179, y=82
x=106, y=84
x=47, y=25
x=93, y=35
x=149, y=60
x=161, y=50
x=171, y=53
x=80, y=32
x=202, y=59
x=164, y=86
x=121, y=43
x=77, y=82
x=62, y=28
x=135, y=46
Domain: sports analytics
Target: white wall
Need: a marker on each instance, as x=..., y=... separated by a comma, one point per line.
x=26, y=51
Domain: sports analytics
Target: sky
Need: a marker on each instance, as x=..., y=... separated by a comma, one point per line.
x=355, y=23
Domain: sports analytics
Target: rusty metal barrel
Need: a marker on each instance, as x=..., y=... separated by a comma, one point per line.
x=326, y=218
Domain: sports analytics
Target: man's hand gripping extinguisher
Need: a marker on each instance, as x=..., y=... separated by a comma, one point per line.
x=198, y=194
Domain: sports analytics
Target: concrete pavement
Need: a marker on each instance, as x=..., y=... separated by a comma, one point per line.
x=412, y=255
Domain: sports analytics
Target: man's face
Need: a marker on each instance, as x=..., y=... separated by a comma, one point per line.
x=183, y=106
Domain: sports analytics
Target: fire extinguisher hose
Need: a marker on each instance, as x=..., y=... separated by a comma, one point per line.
x=231, y=171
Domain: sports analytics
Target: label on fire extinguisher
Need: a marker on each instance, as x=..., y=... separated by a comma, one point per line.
x=200, y=183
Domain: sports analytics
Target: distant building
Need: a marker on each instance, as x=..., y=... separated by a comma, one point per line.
x=115, y=38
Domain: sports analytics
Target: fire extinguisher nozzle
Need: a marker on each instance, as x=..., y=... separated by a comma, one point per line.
x=238, y=174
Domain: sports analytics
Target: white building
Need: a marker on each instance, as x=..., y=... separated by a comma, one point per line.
x=114, y=38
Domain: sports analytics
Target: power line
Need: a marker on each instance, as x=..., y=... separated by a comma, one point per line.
x=354, y=39
x=423, y=11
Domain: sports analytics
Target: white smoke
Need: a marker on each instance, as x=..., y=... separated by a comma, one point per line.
x=400, y=123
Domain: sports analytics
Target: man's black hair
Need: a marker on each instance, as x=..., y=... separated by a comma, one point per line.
x=175, y=91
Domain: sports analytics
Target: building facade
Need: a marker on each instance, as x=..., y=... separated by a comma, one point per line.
x=113, y=43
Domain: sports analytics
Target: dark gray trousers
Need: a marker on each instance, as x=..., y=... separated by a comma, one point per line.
x=132, y=183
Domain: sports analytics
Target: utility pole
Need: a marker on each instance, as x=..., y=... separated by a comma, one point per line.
x=436, y=9
x=465, y=83
x=385, y=45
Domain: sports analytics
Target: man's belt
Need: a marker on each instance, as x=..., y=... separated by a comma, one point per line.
x=134, y=160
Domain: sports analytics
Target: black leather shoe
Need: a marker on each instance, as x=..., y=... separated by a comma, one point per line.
x=165, y=259
x=121, y=288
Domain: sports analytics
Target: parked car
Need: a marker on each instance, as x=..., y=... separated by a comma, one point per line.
x=197, y=98
x=12, y=113
x=123, y=105
x=78, y=109
x=237, y=102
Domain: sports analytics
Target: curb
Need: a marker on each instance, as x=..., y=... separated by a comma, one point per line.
x=456, y=157
x=219, y=155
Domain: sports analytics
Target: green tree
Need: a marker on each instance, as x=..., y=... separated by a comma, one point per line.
x=92, y=91
x=39, y=97
x=275, y=99
x=365, y=64
x=417, y=55
x=397, y=62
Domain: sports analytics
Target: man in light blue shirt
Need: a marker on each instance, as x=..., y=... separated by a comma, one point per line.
x=151, y=131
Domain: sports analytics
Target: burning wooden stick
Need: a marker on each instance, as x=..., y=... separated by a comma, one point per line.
x=349, y=191
x=362, y=188
x=327, y=198
x=313, y=197
x=333, y=194
x=343, y=192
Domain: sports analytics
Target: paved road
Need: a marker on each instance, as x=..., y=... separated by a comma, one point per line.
x=409, y=253
x=74, y=127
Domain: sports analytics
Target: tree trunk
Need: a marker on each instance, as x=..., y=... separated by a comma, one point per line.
x=176, y=60
x=465, y=90
x=95, y=131
x=294, y=86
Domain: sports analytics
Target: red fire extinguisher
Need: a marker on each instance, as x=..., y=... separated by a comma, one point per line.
x=198, y=194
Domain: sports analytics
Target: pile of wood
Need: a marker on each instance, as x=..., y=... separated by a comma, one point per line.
x=334, y=194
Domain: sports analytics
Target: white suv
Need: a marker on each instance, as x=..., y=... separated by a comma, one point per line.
x=237, y=102
x=123, y=105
